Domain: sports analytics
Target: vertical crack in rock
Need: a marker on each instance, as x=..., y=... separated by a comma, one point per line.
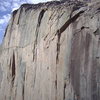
x=37, y=31
x=35, y=42
x=21, y=9
x=87, y=45
x=14, y=13
x=13, y=68
x=56, y=85
x=58, y=33
x=64, y=91
x=10, y=64
x=13, y=18
x=62, y=29
x=6, y=31
x=58, y=46
x=96, y=32
x=23, y=89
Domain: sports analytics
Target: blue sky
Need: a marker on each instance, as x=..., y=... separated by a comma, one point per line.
x=6, y=7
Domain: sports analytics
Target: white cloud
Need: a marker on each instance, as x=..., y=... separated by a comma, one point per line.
x=15, y=6
x=37, y=1
x=5, y=19
x=6, y=4
x=2, y=8
x=1, y=21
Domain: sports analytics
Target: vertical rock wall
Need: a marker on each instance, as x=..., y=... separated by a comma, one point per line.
x=51, y=51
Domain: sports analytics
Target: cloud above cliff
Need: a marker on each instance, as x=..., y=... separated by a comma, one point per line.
x=14, y=4
x=6, y=7
x=5, y=19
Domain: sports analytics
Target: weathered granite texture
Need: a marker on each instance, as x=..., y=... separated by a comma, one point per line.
x=51, y=51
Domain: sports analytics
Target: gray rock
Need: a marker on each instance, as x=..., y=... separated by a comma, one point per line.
x=51, y=51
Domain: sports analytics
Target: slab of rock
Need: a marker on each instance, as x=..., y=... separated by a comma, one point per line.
x=51, y=51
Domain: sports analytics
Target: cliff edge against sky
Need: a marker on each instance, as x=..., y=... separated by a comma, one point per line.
x=51, y=51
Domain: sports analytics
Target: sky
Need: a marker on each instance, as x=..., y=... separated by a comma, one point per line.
x=6, y=7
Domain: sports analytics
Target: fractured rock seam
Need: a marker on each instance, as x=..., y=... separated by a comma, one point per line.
x=62, y=29
x=37, y=31
x=35, y=43
x=59, y=32
x=13, y=68
x=23, y=89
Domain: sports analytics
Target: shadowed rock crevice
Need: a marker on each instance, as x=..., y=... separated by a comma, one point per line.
x=13, y=17
x=13, y=68
x=6, y=31
x=20, y=13
x=58, y=47
x=62, y=29
x=64, y=92
x=37, y=31
x=23, y=88
x=14, y=13
x=69, y=21
x=59, y=32
x=23, y=77
x=56, y=86
x=97, y=32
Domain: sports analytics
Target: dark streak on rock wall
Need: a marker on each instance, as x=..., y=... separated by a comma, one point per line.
x=13, y=68
x=37, y=31
x=62, y=29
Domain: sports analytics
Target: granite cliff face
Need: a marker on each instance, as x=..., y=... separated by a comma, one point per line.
x=51, y=51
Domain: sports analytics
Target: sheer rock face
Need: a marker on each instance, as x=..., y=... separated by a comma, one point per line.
x=51, y=51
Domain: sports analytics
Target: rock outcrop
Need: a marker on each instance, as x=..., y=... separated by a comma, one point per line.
x=51, y=51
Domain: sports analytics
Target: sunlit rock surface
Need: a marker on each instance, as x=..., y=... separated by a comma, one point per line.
x=51, y=51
